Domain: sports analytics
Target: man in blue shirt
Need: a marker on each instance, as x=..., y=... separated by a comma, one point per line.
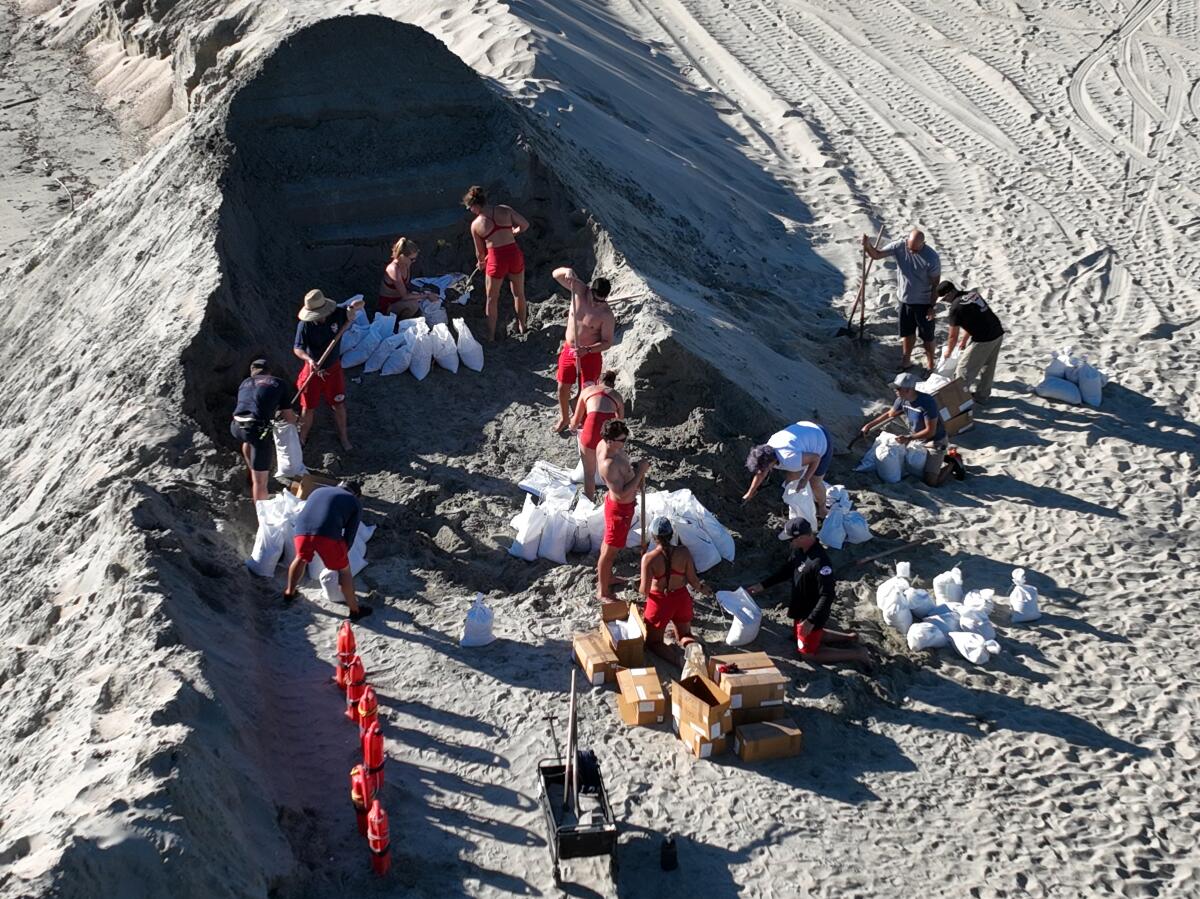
x=258, y=402
x=326, y=527
x=924, y=424
x=918, y=270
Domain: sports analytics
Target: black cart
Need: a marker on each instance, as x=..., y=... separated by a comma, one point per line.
x=590, y=833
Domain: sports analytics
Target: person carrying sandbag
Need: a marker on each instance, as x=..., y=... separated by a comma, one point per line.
x=258, y=400
x=925, y=426
x=326, y=527
x=814, y=588
x=802, y=451
x=981, y=337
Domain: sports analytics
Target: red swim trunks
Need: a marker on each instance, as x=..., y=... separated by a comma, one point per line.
x=504, y=261
x=386, y=303
x=331, y=550
x=591, y=363
x=661, y=609
x=808, y=645
x=618, y=519
x=331, y=389
x=589, y=435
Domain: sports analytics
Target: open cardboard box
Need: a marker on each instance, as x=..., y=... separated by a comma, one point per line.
x=700, y=706
x=641, y=700
x=631, y=652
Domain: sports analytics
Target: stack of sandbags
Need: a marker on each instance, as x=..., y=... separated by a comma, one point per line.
x=947, y=617
x=412, y=344
x=842, y=524
x=886, y=457
x=276, y=530
x=1071, y=379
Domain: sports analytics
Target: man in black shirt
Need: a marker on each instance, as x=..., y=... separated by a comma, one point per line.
x=980, y=340
x=258, y=400
x=813, y=592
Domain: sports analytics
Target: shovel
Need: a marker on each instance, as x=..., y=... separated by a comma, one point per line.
x=860, y=301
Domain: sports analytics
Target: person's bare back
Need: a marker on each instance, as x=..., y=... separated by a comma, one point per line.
x=617, y=470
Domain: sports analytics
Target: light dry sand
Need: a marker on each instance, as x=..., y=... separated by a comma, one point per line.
x=166, y=725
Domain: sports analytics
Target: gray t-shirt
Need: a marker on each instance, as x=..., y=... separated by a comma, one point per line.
x=917, y=274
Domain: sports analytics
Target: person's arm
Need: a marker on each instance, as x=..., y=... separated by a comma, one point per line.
x=952, y=340
x=759, y=477
x=299, y=349
x=607, y=329
x=935, y=277
x=580, y=410
x=881, y=253
x=616, y=398
x=783, y=573
x=811, y=461
x=566, y=277
x=350, y=531
x=926, y=433
x=966, y=339
x=693, y=578
x=480, y=248
x=519, y=223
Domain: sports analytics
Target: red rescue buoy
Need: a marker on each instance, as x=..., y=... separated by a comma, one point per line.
x=377, y=839
x=368, y=712
x=358, y=797
x=373, y=759
x=346, y=648
x=356, y=682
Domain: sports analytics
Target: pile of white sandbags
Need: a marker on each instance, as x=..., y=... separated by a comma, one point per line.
x=413, y=344
x=886, y=457
x=1072, y=379
x=274, y=543
x=842, y=524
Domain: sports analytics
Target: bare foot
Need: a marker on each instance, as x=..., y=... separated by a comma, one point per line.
x=347, y=445
x=561, y=426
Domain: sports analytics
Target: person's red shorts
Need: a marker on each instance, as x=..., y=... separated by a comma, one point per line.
x=593, y=423
x=331, y=550
x=661, y=609
x=618, y=519
x=810, y=644
x=504, y=261
x=591, y=363
x=330, y=389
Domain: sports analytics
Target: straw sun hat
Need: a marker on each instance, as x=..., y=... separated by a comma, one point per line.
x=316, y=306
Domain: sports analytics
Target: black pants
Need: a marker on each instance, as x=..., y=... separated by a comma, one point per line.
x=261, y=440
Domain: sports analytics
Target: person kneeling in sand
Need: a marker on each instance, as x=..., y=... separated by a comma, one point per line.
x=590, y=327
x=925, y=425
x=667, y=572
x=396, y=290
x=814, y=589
x=803, y=450
x=624, y=479
x=258, y=400
x=597, y=405
x=326, y=527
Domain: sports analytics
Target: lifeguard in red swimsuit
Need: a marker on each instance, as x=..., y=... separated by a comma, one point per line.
x=624, y=480
x=495, y=231
x=667, y=572
x=597, y=404
x=590, y=327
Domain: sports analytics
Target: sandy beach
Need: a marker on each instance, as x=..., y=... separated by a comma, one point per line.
x=176, y=176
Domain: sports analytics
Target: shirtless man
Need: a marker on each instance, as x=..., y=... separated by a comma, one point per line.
x=590, y=326
x=495, y=231
x=624, y=480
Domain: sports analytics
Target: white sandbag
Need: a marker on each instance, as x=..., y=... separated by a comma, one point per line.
x=1056, y=368
x=914, y=459
x=358, y=557
x=1023, y=600
x=893, y=586
x=833, y=531
x=545, y=478
x=270, y=538
x=982, y=600
x=924, y=636
x=1090, y=385
x=889, y=462
x=470, y=350
x=976, y=621
x=948, y=365
x=581, y=541
x=920, y=601
x=1059, y=389
x=577, y=475
x=558, y=533
x=384, y=325
x=434, y=312
x=717, y=533
x=897, y=614
x=445, y=353
x=421, y=344
x=948, y=586
x=747, y=616
x=398, y=360
x=477, y=628
x=694, y=537
x=385, y=349
x=857, y=529
x=362, y=350
x=1070, y=364
x=331, y=586
x=837, y=495
x=529, y=524
x=358, y=328
x=289, y=455
x=800, y=502
x=933, y=383
x=973, y=647
x=944, y=618
x=596, y=526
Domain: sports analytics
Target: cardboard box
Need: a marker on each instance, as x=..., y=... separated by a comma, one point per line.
x=309, y=482
x=746, y=661
x=768, y=740
x=757, y=682
x=631, y=652
x=699, y=705
x=964, y=421
x=596, y=658
x=641, y=700
x=762, y=713
x=704, y=749
x=953, y=400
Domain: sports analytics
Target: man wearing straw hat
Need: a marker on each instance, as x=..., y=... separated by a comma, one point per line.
x=321, y=379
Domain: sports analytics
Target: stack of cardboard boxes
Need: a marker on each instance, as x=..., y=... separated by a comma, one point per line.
x=619, y=642
x=954, y=406
x=701, y=716
x=756, y=690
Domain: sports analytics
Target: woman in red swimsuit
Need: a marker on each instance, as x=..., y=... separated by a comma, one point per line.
x=596, y=405
x=667, y=572
x=495, y=231
x=396, y=290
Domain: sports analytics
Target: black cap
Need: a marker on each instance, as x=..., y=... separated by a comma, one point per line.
x=796, y=527
x=259, y=364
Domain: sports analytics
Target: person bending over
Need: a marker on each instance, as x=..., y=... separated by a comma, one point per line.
x=590, y=327
x=803, y=450
x=918, y=269
x=597, y=404
x=326, y=527
x=981, y=337
x=924, y=424
x=814, y=589
x=258, y=400
x=624, y=479
x=396, y=291
x=667, y=572
x=494, y=230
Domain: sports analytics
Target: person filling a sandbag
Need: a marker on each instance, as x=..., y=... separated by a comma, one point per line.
x=494, y=231
x=980, y=341
x=596, y=405
x=803, y=450
x=624, y=479
x=918, y=269
x=667, y=572
x=590, y=327
x=258, y=400
x=326, y=527
x=321, y=319
x=814, y=588
x=396, y=291
x=925, y=426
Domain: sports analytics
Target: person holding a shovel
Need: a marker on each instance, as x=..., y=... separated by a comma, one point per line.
x=322, y=322
x=624, y=479
x=918, y=270
x=494, y=231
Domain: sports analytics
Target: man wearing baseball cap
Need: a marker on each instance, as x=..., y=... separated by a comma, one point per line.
x=924, y=424
x=321, y=320
x=813, y=592
x=258, y=400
